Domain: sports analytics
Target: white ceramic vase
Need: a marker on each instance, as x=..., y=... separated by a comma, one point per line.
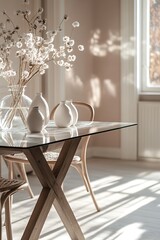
x=40, y=102
x=35, y=120
x=63, y=115
x=74, y=111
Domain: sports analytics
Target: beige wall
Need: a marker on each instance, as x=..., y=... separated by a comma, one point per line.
x=107, y=67
x=78, y=82
x=96, y=75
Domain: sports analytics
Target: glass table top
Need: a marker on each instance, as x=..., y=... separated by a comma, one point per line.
x=19, y=138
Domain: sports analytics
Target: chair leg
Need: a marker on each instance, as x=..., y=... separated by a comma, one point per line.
x=0, y=221
x=22, y=171
x=84, y=174
x=8, y=218
x=5, y=201
x=86, y=178
x=79, y=170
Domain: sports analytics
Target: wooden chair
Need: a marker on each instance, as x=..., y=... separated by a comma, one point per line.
x=78, y=162
x=7, y=188
x=16, y=165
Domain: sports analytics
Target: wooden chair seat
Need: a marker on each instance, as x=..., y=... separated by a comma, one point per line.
x=50, y=156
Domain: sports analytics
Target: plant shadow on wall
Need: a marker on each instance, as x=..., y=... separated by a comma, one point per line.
x=101, y=50
x=33, y=53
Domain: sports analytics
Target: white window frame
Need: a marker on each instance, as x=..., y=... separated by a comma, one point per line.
x=144, y=16
x=129, y=82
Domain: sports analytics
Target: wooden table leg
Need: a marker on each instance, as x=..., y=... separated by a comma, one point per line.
x=52, y=193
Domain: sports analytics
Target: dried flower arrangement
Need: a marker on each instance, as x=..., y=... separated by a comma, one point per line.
x=33, y=49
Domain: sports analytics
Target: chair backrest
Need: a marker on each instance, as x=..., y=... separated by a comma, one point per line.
x=85, y=112
x=83, y=109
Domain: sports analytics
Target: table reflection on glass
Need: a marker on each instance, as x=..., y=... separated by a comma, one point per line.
x=32, y=145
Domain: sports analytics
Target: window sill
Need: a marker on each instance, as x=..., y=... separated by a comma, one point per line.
x=149, y=96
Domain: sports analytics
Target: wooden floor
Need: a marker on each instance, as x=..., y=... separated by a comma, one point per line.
x=127, y=192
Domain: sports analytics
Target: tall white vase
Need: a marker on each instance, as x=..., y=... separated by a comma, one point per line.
x=39, y=101
x=35, y=120
x=63, y=115
x=73, y=110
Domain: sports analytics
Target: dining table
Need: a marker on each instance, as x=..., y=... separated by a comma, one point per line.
x=33, y=146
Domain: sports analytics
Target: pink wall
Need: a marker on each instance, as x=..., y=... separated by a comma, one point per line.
x=96, y=75
x=107, y=67
x=78, y=82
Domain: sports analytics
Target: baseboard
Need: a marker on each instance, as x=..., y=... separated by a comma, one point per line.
x=104, y=152
x=149, y=159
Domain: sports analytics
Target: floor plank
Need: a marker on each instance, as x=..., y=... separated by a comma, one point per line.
x=127, y=192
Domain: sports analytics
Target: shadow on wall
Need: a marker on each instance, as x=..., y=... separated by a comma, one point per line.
x=96, y=87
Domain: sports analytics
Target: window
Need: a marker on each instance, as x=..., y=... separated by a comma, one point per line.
x=150, y=40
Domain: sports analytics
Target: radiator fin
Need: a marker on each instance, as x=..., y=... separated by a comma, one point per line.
x=149, y=130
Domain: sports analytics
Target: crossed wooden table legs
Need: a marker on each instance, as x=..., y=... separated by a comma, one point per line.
x=52, y=193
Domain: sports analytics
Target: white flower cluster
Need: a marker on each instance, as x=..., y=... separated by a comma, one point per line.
x=33, y=51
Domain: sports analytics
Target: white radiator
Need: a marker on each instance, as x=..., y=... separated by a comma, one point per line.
x=149, y=130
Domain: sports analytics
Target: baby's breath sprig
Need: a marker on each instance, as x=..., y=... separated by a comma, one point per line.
x=65, y=18
x=35, y=23
x=33, y=49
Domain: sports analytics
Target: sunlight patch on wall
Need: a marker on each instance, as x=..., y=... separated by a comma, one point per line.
x=112, y=44
x=73, y=80
x=108, y=84
x=127, y=49
x=95, y=92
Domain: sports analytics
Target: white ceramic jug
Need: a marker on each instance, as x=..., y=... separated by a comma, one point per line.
x=35, y=120
x=39, y=101
x=73, y=110
x=63, y=115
